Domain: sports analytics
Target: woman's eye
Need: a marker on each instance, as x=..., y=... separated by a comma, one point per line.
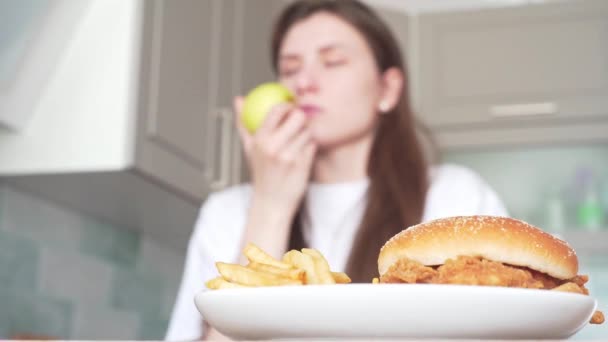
x=333, y=63
x=286, y=72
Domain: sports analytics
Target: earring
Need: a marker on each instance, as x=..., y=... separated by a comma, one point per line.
x=383, y=106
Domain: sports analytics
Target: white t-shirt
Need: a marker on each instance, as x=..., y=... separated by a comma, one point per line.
x=331, y=216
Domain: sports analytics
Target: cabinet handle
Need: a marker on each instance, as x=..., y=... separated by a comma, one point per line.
x=224, y=116
x=524, y=109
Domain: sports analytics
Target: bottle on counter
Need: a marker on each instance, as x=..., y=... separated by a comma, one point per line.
x=604, y=201
x=555, y=216
x=589, y=211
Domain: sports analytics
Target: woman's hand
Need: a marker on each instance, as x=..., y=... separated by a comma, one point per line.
x=280, y=156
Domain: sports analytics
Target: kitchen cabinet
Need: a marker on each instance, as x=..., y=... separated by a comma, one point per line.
x=200, y=54
x=137, y=115
x=175, y=102
x=527, y=74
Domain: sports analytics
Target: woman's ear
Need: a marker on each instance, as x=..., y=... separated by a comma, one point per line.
x=392, y=85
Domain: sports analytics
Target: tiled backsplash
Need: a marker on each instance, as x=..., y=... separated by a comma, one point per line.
x=66, y=275
x=525, y=178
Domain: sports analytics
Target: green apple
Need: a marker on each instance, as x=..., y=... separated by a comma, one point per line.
x=260, y=100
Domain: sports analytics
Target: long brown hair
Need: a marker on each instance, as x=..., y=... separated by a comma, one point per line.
x=397, y=168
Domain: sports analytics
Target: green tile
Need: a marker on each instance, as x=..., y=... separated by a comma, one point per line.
x=5, y=311
x=25, y=313
x=43, y=316
x=19, y=261
x=137, y=292
x=4, y=326
x=153, y=328
x=2, y=191
x=40, y=220
x=113, y=244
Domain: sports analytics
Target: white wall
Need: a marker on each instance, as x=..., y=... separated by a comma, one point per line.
x=83, y=119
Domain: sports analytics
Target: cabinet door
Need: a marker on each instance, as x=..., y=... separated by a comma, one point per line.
x=503, y=72
x=178, y=56
x=224, y=144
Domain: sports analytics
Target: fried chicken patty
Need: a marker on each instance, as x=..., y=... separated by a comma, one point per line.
x=466, y=270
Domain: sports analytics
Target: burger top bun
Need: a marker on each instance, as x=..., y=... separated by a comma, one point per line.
x=500, y=239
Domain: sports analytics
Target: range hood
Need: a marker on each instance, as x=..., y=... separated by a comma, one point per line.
x=67, y=110
x=34, y=34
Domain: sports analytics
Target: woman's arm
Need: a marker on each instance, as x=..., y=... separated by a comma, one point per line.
x=280, y=156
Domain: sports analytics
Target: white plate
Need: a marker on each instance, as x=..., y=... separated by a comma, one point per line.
x=394, y=311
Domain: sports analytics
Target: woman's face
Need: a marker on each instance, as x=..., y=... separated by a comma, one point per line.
x=329, y=66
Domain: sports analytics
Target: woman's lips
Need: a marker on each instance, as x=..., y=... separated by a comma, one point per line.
x=310, y=110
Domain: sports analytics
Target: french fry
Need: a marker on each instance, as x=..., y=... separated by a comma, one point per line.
x=246, y=276
x=307, y=266
x=293, y=273
x=305, y=262
x=220, y=283
x=255, y=254
x=341, y=277
x=375, y=281
x=321, y=266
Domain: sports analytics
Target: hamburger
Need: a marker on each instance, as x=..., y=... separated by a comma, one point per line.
x=485, y=251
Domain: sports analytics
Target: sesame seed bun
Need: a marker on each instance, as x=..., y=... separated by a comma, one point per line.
x=500, y=239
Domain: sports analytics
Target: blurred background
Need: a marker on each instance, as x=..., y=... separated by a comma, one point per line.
x=116, y=122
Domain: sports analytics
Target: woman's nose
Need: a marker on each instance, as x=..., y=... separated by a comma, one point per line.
x=307, y=81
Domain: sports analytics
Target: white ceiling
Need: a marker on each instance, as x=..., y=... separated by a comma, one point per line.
x=418, y=6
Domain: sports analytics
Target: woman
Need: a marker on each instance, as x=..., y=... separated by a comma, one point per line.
x=340, y=171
